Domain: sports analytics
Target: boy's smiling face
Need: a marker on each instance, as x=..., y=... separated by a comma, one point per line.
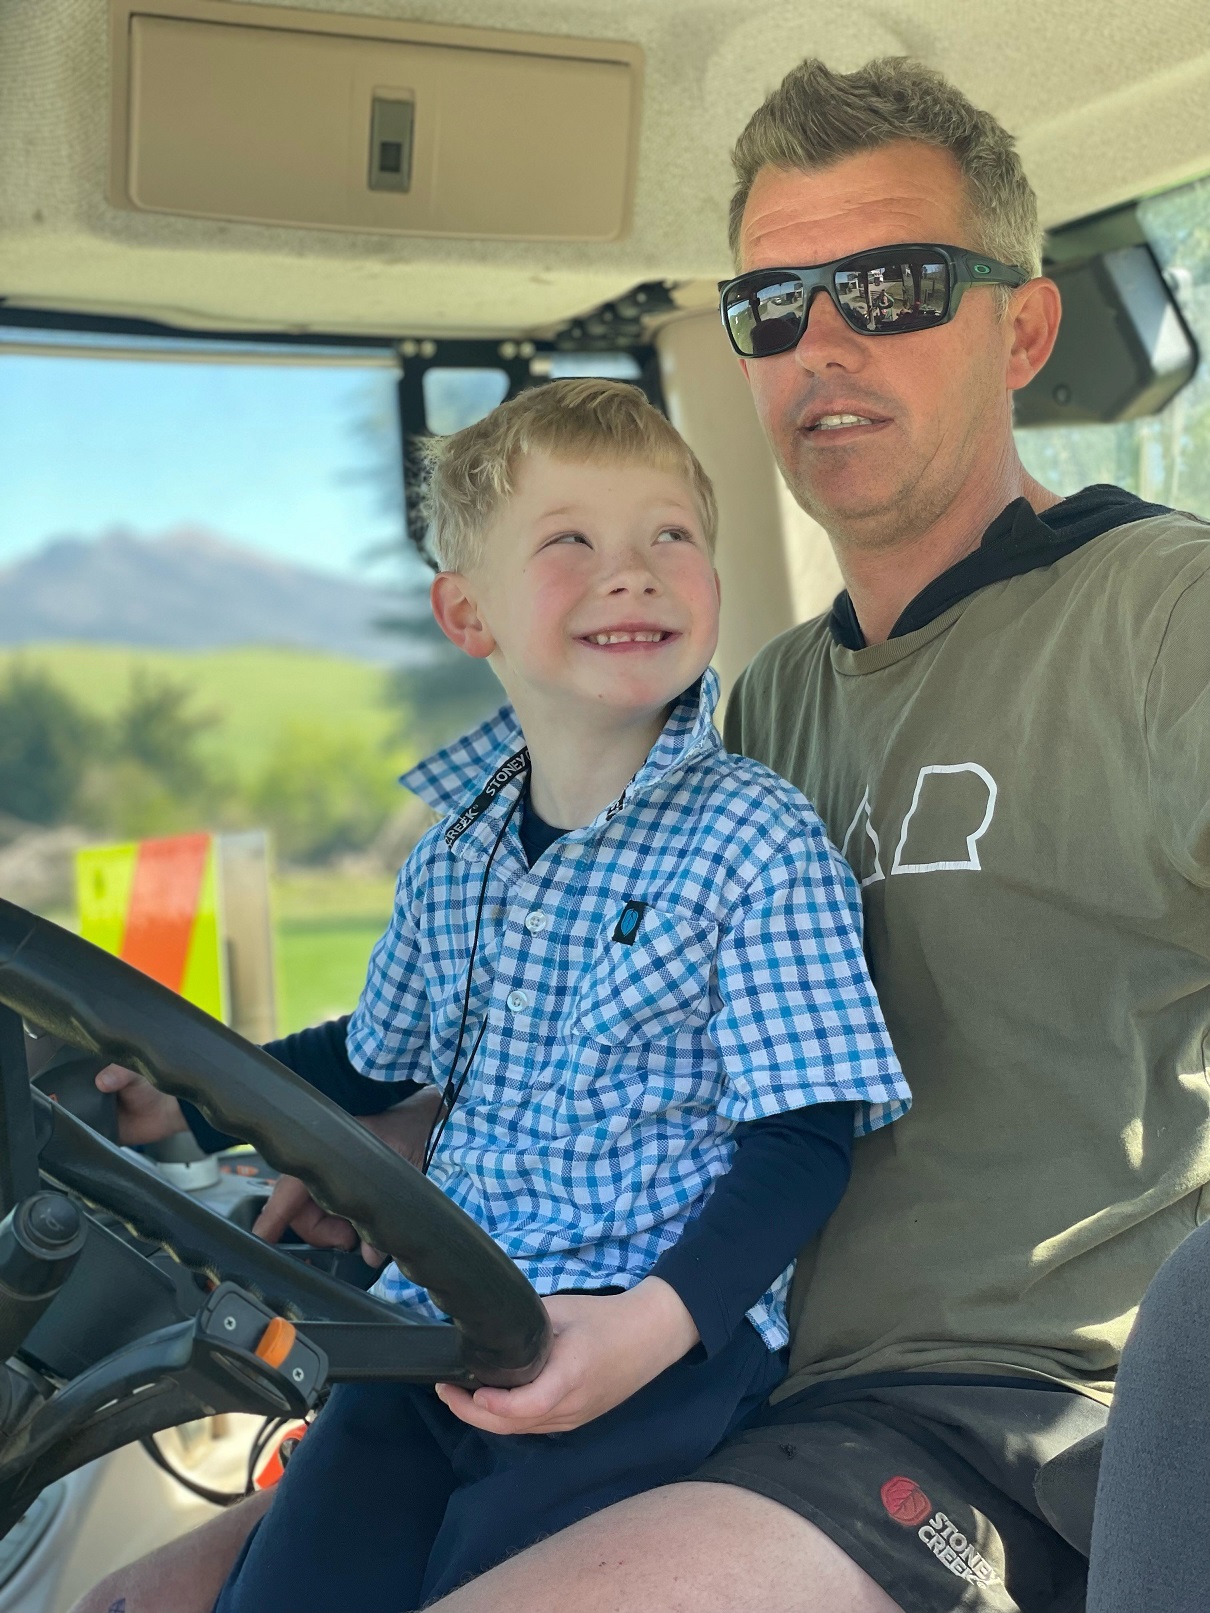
x=595, y=589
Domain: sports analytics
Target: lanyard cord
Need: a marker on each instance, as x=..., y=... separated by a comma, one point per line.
x=452, y=1089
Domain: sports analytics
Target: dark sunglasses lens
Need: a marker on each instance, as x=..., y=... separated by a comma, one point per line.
x=763, y=315
x=909, y=292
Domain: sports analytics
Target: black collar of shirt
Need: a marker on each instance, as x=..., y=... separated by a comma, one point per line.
x=1017, y=541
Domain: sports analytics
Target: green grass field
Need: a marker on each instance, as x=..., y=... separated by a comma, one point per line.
x=255, y=693
x=325, y=927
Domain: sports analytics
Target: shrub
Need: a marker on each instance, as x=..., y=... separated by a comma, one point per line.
x=45, y=741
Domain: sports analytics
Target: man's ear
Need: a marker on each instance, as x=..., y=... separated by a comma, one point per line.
x=1033, y=317
x=457, y=615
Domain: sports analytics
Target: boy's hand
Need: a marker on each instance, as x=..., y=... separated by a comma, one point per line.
x=606, y=1347
x=145, y=1114
x=404, y=1128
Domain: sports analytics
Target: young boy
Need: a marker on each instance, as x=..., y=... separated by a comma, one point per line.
x=632, y=965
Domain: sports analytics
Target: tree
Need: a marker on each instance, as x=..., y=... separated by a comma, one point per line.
x=45, y=741
x=323, y=792
x=156, y=731
x=147, y=775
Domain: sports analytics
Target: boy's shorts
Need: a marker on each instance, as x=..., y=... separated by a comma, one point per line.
x=390, y=1501
x=927, y=1483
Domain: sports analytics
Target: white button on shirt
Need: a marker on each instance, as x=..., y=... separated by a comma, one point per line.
x=517, y=1000
x=535, y=922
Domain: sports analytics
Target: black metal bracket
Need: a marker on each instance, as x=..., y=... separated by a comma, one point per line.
x=524, y=364
x=194, y=1368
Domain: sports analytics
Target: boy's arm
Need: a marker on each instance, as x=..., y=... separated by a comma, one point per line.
x=787, y=1177
x=320, y=1056
x=798, y=1021
x=808, y=1062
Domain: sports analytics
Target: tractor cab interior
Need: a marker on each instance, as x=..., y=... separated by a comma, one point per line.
x=471, y=199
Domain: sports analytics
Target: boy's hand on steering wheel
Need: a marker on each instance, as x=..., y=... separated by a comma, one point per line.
x=606, y=1347
x=404, y=1128
x=145, y=1114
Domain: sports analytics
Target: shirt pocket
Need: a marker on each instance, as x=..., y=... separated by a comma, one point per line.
x=656, y=986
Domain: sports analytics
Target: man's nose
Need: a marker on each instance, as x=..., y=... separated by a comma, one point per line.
x=827, y=341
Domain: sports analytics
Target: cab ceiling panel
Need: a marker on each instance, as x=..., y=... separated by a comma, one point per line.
x=131, y=183
x=451, y=134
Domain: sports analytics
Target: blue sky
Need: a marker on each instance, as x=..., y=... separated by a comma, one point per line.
x=290, y=460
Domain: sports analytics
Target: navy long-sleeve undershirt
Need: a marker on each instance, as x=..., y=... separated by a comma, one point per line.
x=788, y=1175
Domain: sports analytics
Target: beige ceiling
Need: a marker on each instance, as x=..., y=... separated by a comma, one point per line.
x=1109, y=99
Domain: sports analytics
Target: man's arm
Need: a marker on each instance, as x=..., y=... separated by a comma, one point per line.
x=1176, y=726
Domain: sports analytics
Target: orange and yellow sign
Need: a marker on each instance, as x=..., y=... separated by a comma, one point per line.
x=155, y=903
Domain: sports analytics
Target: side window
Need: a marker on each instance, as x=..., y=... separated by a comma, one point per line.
x=211, y=623
x=1164, y=457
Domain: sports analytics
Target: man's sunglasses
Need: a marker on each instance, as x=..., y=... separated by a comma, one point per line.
x=886, y=291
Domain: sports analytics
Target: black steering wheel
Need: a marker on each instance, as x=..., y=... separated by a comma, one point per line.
x=499, y=1331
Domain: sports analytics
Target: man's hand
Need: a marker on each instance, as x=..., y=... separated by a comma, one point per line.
x=606, y=1347
x=404, y=1128
x=145, y=1114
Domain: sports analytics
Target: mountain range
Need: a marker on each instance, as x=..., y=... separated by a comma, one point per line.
x=190, y=589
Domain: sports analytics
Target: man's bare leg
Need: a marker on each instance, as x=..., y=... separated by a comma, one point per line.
x=688, y=1548
x=186, y=1575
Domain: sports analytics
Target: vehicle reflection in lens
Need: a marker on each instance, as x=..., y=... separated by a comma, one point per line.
x=765, y=318
x=908, y=294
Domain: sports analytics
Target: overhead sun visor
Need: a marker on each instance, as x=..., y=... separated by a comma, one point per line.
x=1124, y=349
x=277, y=116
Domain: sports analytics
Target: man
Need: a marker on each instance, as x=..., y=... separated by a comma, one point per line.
x=1004, y=725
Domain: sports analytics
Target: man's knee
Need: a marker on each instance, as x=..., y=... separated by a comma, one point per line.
x=687, y=1548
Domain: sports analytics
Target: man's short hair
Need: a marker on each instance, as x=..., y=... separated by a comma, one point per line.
x=472, y=472
x=816, y=117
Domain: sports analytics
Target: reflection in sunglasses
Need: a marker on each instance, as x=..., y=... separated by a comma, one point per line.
x=901, y=293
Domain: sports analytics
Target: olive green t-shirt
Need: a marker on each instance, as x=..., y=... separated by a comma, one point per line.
x=1022, y=787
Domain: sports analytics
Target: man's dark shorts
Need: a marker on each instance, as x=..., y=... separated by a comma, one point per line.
x=927, y=1483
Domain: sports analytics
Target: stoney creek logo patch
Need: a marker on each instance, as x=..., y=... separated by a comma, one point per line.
x=907, y=1503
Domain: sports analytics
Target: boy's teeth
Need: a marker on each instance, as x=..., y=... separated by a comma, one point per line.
x=828, y=422
x=626, y=638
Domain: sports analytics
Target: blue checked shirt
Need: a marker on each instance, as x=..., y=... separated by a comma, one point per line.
x=617, y=1060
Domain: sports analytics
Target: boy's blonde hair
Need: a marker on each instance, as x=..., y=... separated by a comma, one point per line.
x=473, y=471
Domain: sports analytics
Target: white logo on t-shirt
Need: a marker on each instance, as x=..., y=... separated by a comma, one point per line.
x=859, y=862
x=947, y=818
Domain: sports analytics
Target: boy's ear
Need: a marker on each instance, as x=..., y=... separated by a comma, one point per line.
x=457, y=615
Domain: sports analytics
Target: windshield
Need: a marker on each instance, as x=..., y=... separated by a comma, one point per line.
x=211, y=621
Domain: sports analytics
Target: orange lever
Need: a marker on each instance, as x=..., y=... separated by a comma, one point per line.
x=276, y=1341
